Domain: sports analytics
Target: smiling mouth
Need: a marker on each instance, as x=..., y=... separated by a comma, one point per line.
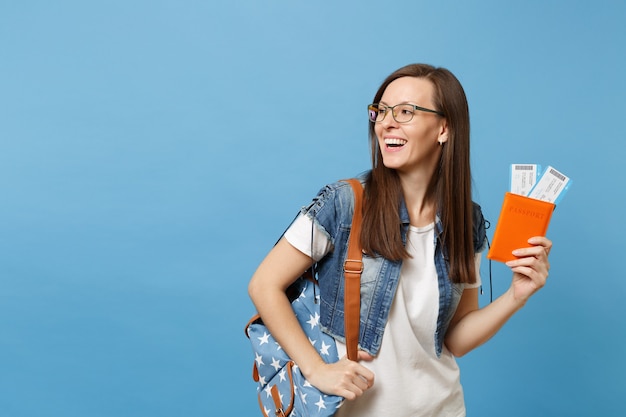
x=395, y=142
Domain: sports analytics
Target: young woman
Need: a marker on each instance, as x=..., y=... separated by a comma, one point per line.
x=422, y=238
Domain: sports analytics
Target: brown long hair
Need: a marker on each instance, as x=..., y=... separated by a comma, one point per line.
x=450, y=186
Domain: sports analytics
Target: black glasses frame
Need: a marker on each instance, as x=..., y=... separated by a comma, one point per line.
x=375, y=107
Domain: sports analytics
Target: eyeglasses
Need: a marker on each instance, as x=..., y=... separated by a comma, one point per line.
x=402, y=113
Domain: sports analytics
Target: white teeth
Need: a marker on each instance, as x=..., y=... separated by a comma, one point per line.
x=395, y=141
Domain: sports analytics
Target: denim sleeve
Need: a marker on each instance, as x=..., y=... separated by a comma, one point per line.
x=329, y=208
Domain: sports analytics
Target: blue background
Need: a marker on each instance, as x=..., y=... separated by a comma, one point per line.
x=151, y=152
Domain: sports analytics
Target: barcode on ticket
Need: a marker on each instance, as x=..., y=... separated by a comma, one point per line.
x=523, y=178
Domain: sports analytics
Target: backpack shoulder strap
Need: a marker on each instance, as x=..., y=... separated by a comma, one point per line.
x=352, y=268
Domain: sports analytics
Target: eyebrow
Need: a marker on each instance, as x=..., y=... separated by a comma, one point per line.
x=403, y=102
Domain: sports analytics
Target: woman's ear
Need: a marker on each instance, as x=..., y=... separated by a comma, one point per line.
x=443, y=133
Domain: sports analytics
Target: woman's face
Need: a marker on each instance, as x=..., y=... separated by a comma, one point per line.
x=411, y=147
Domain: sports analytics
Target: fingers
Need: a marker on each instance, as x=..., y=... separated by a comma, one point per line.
x=534, y=257
x=541, y=241
x=537, y=275
x=532, y=262
x=363, y=374
x=364, y=356
x=345, y=378
x=531, y=268
x=540, y=245
x=356, y=378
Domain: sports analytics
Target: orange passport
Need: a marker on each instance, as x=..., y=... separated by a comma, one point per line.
x=520, y=219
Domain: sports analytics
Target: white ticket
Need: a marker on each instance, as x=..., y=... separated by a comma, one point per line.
x=551, y=186
x=523, y=178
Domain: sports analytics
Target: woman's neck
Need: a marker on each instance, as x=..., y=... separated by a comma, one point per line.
x=419, y=202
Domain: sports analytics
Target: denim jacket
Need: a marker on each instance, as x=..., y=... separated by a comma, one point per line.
x=331, y=211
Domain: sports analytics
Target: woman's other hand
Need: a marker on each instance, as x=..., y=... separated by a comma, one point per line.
x=530, y=270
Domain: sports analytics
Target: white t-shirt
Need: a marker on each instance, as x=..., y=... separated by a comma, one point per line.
x=409, y=378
